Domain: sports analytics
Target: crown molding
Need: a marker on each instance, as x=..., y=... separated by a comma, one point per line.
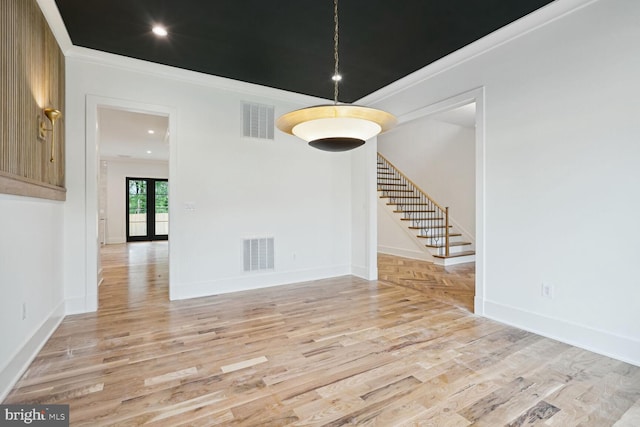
x=54, y=19
x=52, y=16
x=187, y=76
x=535, y=20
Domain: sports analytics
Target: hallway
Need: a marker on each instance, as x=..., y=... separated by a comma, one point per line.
x=136, y=276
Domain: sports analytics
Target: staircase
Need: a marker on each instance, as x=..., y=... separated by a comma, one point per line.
x=425, y=219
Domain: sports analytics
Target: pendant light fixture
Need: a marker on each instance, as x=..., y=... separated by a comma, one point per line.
x=336, y=127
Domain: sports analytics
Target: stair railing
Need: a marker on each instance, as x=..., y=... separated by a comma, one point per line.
x=426, y=215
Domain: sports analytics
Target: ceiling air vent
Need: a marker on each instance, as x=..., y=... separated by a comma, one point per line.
x=257, y=120
x=258, y=254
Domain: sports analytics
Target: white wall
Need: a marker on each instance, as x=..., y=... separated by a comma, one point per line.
x=117, y=173
x=31, y=274
x=561, y=173
x=239, y=187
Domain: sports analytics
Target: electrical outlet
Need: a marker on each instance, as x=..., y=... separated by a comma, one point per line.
x=24, y=311
x=547, y=290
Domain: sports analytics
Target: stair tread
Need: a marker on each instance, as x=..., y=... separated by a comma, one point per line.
x=422, y=219
x=450, y=244
x=392, y=183
x=440, y=236
x=409, y=204
x=421, y=211
x=456, y=255
x=428, y=228
x=400, y=197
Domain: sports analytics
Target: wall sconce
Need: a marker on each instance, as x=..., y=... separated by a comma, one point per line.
x=53, y=115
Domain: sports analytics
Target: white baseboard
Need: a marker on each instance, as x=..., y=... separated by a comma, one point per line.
x=618, y=347
x=253, y=281
x=23, y=357
x=405, y=253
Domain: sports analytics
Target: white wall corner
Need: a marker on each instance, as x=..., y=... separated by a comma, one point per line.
x=75, y=305
x=364, y=215
x=23, y=356
x=361, y=271
x=372, y=206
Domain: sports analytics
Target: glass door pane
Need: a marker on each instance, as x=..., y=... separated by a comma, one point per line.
x=137, y=207
x=162, y=208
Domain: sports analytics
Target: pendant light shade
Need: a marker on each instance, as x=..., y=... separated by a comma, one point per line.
x=337, y=127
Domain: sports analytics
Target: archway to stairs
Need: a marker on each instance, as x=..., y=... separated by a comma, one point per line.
x=437, y=152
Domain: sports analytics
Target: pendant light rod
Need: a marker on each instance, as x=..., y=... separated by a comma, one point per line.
x=334, y=127
x=335, y=53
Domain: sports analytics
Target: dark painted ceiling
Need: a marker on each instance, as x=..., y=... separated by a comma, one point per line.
x=288, y=44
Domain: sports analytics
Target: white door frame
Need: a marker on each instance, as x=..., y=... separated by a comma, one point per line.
x=478, y=96
x=92, y=171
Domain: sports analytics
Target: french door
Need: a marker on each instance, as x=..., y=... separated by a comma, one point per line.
x=147, y=209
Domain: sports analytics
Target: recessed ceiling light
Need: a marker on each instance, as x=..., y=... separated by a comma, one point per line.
x=148, y=151
x=159, y=30
x=151, y=131
x=336, y=77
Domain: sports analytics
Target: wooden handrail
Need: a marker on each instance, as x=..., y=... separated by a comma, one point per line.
x=412, y=183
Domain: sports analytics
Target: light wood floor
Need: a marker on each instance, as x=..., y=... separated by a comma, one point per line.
x=333, y=352
x=454, y=285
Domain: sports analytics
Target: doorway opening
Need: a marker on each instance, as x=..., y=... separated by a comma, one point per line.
x=441, y=149
x=133, y=197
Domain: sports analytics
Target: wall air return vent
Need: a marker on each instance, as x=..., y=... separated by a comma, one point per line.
x=257, y=121
x=258, y=254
